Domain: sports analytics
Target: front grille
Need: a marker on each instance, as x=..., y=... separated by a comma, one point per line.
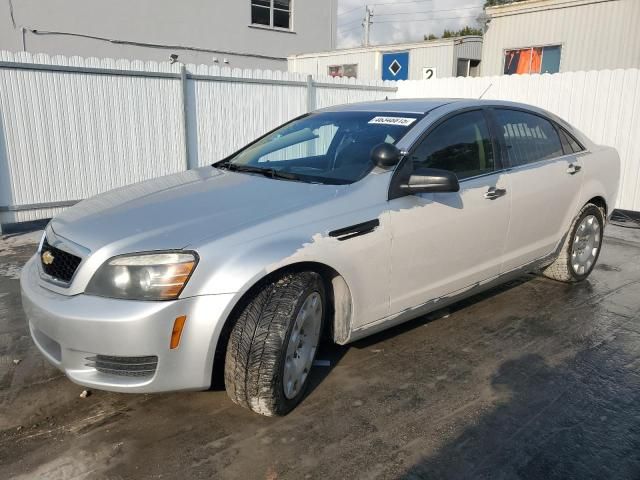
x=63, y=265
x=124, y=366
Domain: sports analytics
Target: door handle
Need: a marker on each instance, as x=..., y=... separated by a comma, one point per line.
x=572, y=169
x=494, y=193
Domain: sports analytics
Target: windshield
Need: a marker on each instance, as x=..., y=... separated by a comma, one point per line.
x=329, y=147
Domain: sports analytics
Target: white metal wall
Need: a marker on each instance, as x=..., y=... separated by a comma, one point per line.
x=594, y=34
x=471, y=48
x=369, y=60
x=440, y=57
x=441, y=54
x=66, y=136
x=318, y=65
x=605, y=105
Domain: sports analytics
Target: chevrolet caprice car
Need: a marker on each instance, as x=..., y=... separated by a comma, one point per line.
x=343, y=222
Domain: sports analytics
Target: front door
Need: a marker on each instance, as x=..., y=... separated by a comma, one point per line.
x=446, y=242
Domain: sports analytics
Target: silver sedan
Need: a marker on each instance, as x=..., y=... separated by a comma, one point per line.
x=338, y=224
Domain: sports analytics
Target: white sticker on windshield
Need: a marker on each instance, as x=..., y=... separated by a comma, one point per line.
x=402, y=121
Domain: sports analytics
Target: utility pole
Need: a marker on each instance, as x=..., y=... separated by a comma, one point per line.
x=367, y=24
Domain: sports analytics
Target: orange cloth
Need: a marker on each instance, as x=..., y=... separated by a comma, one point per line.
x=530, y=61
x=525, y=62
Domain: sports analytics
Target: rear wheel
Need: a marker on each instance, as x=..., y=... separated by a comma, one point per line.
x=273, y=344
x=581, y=248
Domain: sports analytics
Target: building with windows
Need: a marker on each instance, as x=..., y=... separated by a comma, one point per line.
x=237, y=33
x=448, y=57
x=550, y=36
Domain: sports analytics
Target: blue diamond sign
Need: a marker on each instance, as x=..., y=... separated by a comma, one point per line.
x=395, y=66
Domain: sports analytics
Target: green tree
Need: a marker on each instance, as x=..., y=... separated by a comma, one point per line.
x=431, y=36
x=493, y=3
x=462, y=32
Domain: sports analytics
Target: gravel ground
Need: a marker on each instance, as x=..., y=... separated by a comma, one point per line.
x=535, y=379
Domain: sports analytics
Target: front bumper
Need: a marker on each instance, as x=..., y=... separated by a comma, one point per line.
x=70, y=330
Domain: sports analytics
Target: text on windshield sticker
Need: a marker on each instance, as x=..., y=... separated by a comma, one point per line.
x=402, y=121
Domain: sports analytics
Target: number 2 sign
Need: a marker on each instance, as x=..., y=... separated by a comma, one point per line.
x=429, y=73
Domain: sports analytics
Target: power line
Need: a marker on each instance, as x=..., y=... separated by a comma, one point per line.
x=350, y=10
x=350, y=29
x=424, y=11
x=391, y=4
x=350, y=22
x=399, y=3
x=425, y=19
x=417, y=20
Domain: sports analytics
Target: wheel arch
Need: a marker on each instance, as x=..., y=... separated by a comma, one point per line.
x=601, y=203
x=339, y=301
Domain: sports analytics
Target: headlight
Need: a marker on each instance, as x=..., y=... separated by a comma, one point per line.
x=144, y=276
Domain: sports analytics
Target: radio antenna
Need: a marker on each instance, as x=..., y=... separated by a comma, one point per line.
x=485, y=91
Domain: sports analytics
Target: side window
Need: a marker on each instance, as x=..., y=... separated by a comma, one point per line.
x=461, y=144
x=564, y=139
x=529, y=138
x=572, y=145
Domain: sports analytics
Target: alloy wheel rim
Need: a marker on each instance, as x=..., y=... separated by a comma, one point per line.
x=302, y=345
x=586, y=244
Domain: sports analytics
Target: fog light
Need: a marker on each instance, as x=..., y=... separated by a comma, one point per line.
x=178, y=325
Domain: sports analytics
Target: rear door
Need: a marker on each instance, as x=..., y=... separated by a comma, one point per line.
x=545, y=185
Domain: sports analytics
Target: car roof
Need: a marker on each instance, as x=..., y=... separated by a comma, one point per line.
x=425, y=105
x=422, y=106
x=409, y=105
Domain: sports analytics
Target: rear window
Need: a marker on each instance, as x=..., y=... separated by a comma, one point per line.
x=529, y=138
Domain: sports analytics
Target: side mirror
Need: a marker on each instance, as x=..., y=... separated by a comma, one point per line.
x=426, y=180
x=385, y=155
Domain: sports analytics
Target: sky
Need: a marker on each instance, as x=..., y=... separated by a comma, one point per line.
x=396, y=21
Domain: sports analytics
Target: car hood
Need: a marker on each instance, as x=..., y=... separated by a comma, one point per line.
x=178, y=210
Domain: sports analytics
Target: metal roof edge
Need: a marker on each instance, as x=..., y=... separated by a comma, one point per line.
x=392, y=46
x=530, y=6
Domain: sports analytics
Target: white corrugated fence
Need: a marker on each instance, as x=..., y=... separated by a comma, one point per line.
x=71, y=127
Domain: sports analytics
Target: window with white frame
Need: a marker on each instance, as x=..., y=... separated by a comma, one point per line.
x=349, y=70
x=532, y=60
x=271, y=13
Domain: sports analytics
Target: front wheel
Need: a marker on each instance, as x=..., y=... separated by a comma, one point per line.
x=274, y=342
x=581, y=248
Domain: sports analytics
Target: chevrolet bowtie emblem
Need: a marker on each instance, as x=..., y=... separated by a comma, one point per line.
x=47, y=257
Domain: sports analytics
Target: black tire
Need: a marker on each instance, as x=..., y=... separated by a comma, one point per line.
x=256, y=351
x=561, y=269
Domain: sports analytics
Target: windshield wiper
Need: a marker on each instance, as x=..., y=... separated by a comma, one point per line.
x=267, y=172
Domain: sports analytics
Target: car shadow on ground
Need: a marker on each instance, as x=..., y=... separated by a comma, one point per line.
x=576, y=420
x=437, y=314
x=330, y=354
